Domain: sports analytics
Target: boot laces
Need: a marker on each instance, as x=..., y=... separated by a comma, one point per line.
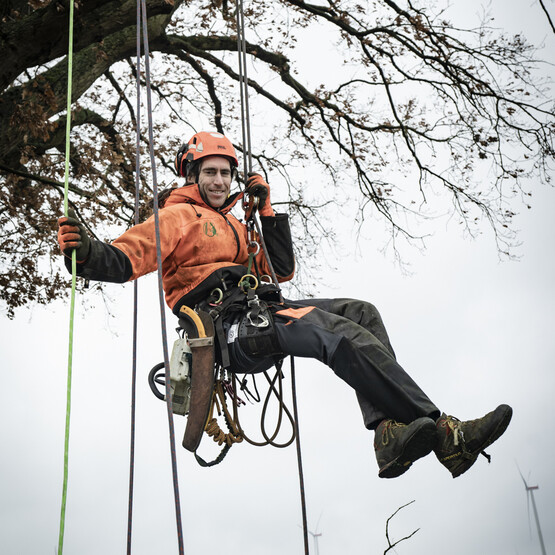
x=454, y=424
x=387, y=432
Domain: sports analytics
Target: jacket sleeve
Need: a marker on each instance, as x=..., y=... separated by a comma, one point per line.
x=131, y=255
x=277, y=236
x=105, y=263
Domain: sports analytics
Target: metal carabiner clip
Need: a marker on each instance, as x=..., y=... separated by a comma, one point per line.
x=246, y=280
x=250, y=206
x=216, y=296
x=256, y=244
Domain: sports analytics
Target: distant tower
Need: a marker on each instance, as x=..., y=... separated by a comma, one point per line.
x=530, y=495
x=315, y=535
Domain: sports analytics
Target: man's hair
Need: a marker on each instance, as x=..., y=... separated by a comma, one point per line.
x=193, y=170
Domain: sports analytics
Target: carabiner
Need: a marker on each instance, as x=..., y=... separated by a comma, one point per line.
x=250, y=206
x=218, y=296
x=246, y=280
x=256, y=244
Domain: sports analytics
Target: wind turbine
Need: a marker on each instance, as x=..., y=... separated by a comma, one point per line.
x=530, y=495
x=315, y=535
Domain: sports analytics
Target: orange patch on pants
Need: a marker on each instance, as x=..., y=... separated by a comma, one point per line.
x=296, y=313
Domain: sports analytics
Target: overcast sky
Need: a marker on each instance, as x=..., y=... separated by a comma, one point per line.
x=473, y=332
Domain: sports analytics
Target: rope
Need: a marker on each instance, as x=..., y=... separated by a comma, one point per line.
x=247, y=157
x=299, y=457
x=160, y=287
x=243, y=88
x=135, y=291
x=246, y=127
x=141, y=10
x=213, y=428
x=73, y=286
x=268, y=440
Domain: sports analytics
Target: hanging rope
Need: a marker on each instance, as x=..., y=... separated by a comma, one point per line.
x=144, y=22
x=243, y=88
x=247, y=157
x=73, y=282
x=246, y=128
x=135, y=289
x=282, y=409
x=299, y=457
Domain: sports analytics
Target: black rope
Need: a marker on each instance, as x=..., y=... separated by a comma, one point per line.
x=245, y=124
x=135, y=295
x=282, y=409
x=247, y=156
x=160, y=286
x=244, y=89
x=266, y=254
x=299, y=457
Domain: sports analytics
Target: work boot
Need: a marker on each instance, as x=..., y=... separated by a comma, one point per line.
x=460, y=443
x=398, y=445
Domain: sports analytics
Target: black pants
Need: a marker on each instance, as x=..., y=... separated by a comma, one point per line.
x=347, y=335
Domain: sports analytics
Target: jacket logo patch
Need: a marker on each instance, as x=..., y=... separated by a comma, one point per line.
x=209, y=229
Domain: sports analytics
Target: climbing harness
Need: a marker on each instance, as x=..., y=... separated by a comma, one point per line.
x=194, y=372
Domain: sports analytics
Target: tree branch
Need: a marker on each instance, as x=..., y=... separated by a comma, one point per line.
x=392, y=545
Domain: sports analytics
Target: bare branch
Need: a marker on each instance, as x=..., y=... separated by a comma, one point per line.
x=392, y=545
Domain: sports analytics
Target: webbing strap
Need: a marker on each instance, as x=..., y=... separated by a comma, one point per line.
x=73, y=281
x=144, y=23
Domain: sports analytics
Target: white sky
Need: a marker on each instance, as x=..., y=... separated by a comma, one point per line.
x=472, y=331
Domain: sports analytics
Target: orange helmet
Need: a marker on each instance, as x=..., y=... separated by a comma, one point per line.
x=200, y=146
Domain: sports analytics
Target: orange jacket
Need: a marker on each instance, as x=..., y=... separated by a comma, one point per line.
x=197, y=242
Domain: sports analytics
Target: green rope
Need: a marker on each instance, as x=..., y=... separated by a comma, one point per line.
x=73, y=280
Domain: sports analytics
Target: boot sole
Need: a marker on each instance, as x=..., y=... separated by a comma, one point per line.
x=420, y=444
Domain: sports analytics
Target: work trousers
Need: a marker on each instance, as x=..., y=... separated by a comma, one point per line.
x=349, y=336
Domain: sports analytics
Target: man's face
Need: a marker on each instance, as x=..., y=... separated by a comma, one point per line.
x=214, y=180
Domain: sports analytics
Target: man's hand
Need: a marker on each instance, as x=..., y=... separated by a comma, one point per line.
x=73, y=236
x=257, y=187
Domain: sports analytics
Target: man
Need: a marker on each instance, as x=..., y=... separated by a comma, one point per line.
x=206, y=252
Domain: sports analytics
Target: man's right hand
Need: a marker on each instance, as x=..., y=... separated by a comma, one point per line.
x=73, y=236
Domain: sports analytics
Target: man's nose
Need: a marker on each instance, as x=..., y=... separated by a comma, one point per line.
x=218, y=178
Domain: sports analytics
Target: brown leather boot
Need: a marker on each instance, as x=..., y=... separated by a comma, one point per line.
x=398, y=445
x=460, y=443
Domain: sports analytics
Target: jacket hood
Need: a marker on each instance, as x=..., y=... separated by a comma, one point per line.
x=190, y=194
